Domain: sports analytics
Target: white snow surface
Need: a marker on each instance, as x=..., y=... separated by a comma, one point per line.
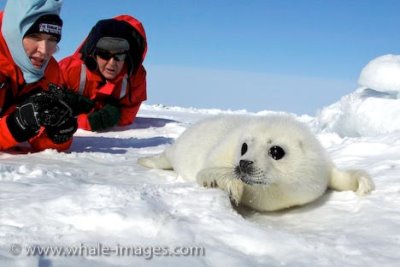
x=96, y=195
x=382, y=74
x=371, y=110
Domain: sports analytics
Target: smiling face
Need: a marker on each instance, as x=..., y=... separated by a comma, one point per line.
x=39, y=47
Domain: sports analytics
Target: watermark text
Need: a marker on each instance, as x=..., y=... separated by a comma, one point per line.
x=101, y=250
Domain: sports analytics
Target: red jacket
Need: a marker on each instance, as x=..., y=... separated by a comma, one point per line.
x=15, y=89
x=128, y=89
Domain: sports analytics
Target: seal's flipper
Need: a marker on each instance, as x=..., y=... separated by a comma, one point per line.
x=156, y=162
x=358, y=181
x=222, y=178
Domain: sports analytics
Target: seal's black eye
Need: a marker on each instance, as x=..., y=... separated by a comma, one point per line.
x=244, y=148
x=276, y=152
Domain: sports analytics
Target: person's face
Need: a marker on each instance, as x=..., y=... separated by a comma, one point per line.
x=110, y=63
x=39, y=47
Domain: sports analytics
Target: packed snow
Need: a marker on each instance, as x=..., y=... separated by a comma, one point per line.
x=382, y=74
x=371, y=110
x=97, y=200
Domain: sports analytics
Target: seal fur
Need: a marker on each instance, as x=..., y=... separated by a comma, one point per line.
x=267, y=162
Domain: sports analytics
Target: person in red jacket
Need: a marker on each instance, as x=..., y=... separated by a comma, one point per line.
x=108, y=69
x=30, y=32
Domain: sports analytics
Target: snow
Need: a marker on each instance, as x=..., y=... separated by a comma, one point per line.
x=97, y=195
x=382, y=74
x=371, y=110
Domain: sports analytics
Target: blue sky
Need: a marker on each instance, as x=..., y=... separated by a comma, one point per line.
x=296, y=56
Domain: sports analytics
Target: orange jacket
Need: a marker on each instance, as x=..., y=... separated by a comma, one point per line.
x=15, y=89
x=128, y=89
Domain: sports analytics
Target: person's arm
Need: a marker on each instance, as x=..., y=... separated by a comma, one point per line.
x=137, y=94
x=6, y=138
x=108, y=117
x=42, y=112
x=128, y=114
x=70, y=72
x=41, y=142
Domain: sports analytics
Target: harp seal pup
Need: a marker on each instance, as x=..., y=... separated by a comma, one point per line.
x=266, y=163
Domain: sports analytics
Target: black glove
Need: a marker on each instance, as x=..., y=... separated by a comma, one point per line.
x=23, y=122
x=79, y=104
x=41, y=109
x=63, y=132
x=104, y=118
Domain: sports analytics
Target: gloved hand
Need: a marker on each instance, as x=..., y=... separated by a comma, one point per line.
x=78, y=104
x=104, y=118
x=41, y=109
x=63, y=132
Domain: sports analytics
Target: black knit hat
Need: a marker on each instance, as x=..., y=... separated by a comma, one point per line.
x=49, y=24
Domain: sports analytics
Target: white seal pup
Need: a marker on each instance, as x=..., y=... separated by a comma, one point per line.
x=265, y=162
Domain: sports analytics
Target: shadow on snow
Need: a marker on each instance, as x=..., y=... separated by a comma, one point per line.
x=115, y=145
x=144, y=123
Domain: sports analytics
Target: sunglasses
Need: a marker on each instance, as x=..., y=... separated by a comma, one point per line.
x=106, y=55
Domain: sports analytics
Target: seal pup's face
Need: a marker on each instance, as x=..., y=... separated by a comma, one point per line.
x=252, y=171
x=281, y=152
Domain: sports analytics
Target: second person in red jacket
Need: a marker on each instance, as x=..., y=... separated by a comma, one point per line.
x=107, y=68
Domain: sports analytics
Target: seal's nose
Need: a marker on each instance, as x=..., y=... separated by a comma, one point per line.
x=245, y=165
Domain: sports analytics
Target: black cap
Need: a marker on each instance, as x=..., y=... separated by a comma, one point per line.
x=49, y=24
